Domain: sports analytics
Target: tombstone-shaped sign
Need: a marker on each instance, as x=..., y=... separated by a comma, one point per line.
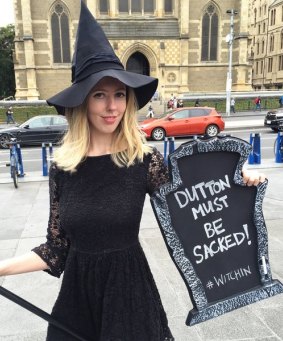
x=214, y=227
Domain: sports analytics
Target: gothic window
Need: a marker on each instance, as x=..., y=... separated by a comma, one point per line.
x=168, y=6
x=262, y=47
x=209, y=34
x=136, y=6
x=271, y=46
x=255, y=11
x=60, y=34
x=270, y=62
x=103, y=6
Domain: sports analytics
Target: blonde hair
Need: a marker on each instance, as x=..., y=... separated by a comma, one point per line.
x=129, y=145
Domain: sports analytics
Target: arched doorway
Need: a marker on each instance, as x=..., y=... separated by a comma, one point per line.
x=138, y=63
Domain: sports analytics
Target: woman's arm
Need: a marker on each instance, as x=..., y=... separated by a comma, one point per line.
x=28, y=262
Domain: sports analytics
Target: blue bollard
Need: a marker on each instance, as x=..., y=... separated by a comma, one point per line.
x=255, y=154
x=44, y=160
x=279, y=148
x=165, y=149
x=171, y=144
x=20, y=160
x=50, y=151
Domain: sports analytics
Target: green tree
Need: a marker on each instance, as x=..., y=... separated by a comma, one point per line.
x=7, y=75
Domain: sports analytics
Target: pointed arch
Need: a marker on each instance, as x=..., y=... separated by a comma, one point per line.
x=60, y=32
x=210, y=28
x=146, y=51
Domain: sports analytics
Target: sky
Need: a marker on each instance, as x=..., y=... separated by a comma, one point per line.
x=6, y=12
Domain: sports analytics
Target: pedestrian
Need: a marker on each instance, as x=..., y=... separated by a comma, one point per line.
x=233, y=102
x=258, y=103
x=9, y=116
x=281, y=101
x=197, y=104
x=180, y=103
x=98, y=183
x=175, y=103
x=150, y=112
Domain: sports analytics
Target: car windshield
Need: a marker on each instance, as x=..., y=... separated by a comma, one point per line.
x=166, y=114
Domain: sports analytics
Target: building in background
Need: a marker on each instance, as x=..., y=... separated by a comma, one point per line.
x=266, y=43
x=180, y=42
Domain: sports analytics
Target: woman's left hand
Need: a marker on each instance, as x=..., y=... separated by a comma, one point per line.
x=253, y=178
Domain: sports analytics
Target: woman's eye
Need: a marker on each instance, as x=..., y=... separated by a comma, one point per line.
x=121, y=94
x=98, y=95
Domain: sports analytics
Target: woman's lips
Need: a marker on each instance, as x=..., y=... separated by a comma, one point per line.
x=109, y=119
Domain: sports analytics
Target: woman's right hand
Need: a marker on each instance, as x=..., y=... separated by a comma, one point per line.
x=28, y=262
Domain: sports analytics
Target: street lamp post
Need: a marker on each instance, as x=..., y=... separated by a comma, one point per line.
x=229, y=40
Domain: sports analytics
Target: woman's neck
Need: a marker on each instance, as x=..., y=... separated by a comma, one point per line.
x=100, y=145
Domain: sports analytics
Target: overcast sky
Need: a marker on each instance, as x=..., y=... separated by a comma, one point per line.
x=6, y=12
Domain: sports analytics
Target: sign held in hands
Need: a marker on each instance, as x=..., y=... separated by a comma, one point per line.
x=214, y=227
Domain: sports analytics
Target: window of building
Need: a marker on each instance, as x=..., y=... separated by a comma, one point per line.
x=209, y=34
x=60, y=34
x=103, y=6
x=256, y=68
x=281, y=39
x=264, y=9
x=261, y=67
x=280, y=63
x=136, y=6
x=271, y=46
x=168, y=6
x=257, y=47
x=262, y=47
x=260, y=11
x=263, y=28
x=282, y=13
x=255, y=12
x=259, y=29
x=270, y=62
x=272, y=17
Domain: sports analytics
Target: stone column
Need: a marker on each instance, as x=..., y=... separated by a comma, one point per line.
x=159, y=8
x=243, y=73
x=184, y=46
x=92, y=5
x=32, y=90
x=113, y=10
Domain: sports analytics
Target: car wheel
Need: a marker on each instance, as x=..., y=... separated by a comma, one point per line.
x=212, y=130
x=158, y=134
x=4, y=140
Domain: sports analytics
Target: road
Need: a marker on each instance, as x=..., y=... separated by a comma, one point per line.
x=32, y=157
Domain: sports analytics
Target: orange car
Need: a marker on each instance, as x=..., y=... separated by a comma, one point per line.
x=183, y=122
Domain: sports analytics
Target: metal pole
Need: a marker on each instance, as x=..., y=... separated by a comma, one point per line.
x=229, y=73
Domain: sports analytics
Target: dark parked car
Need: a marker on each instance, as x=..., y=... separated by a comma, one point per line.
x=274, y=119
x=35, y=131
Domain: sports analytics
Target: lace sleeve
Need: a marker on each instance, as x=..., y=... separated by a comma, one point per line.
x=55, y=250
x=157, y=172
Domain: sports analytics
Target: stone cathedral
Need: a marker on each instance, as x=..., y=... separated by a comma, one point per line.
x=181, y=42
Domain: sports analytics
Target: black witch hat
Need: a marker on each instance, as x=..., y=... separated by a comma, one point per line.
x=93, y=59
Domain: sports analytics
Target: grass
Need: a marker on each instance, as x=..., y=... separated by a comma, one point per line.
x=242, y=104
x=21, y=114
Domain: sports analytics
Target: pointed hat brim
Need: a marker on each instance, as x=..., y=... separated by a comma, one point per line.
x=144, y=88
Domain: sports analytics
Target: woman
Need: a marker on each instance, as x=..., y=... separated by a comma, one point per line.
x=98, y=184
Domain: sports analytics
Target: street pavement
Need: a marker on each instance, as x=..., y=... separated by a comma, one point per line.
x=23, y=222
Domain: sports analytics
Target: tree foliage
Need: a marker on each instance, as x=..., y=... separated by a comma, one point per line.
x=7, y=75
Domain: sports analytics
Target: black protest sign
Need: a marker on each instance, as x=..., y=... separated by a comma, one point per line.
x=214, y=228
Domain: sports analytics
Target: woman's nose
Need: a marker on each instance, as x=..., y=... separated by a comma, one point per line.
x=111, y=103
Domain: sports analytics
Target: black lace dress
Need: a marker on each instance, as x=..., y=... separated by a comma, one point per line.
x=108, y=292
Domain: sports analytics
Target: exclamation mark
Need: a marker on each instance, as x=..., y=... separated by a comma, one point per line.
x=245, y=226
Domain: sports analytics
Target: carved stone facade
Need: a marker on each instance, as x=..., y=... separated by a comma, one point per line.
x=180, y=42
x=266, y=43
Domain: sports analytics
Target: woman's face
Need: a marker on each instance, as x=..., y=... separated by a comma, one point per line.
x=106, y=106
